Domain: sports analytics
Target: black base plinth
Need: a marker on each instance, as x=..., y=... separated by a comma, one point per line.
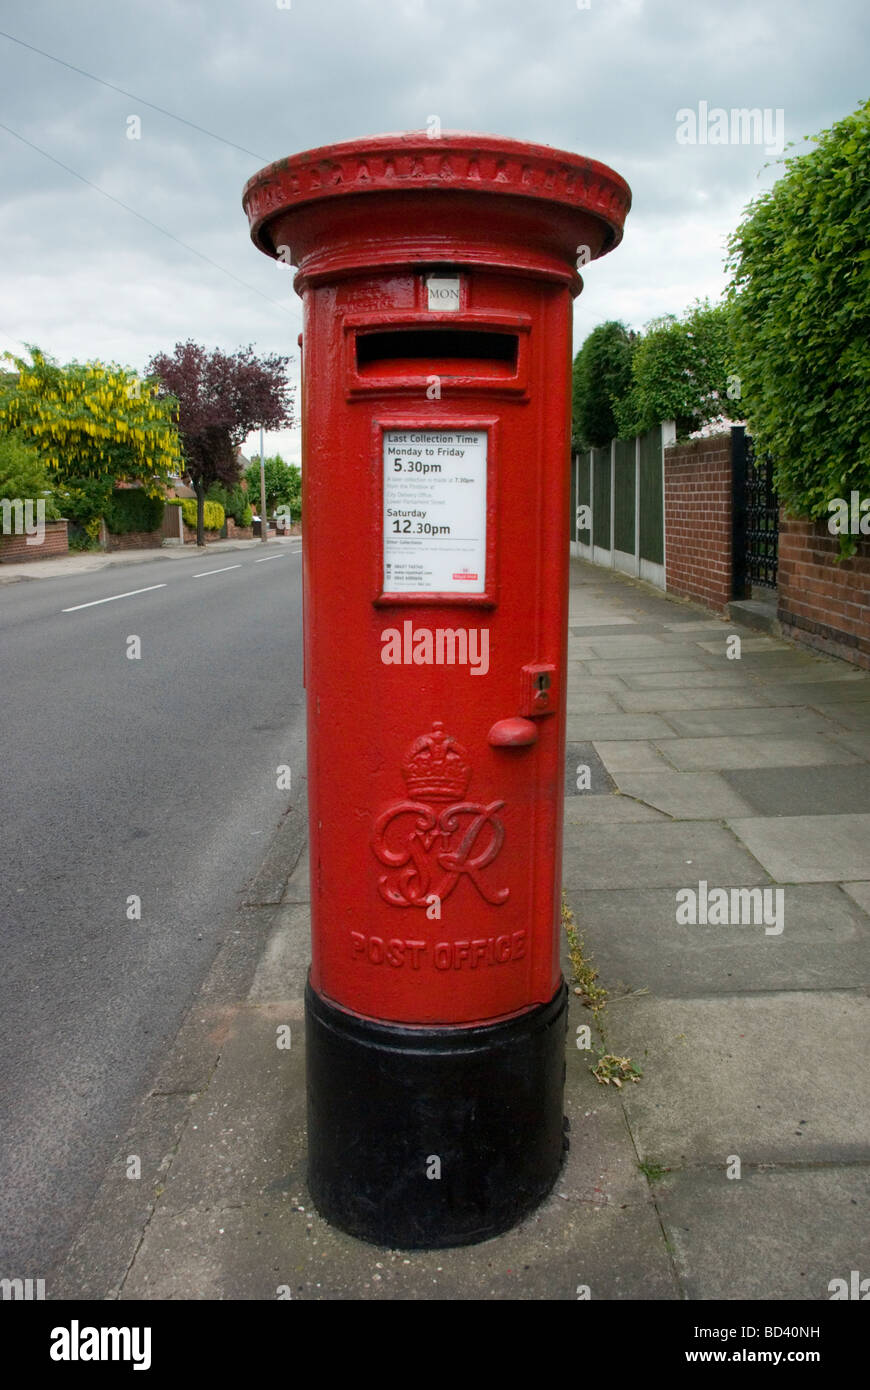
x=390, y=1108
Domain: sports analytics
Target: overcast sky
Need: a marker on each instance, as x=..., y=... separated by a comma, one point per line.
x=83, y=278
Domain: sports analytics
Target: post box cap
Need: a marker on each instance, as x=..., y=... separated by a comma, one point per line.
x=455, y=162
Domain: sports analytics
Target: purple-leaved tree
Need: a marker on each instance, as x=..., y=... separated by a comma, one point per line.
x=221, y=398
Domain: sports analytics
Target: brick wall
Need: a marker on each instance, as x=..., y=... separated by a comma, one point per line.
x=698, y=520
x=823, y=604
x=135, y=540
x=238, y=533
x=14, y=549
x=190, y=535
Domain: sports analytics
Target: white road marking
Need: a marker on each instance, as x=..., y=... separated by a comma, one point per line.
x=268, y=557
x=204, y=573
x=130, y=592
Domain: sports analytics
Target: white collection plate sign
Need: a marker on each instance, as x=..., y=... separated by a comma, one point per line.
x=442, y=294
x=435, y=511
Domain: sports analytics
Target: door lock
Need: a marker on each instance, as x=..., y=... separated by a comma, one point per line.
x=539, y=690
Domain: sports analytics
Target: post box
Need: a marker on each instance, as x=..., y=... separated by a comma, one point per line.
x=437, y=278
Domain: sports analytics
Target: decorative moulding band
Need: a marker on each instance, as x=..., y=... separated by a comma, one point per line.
x=451, y=163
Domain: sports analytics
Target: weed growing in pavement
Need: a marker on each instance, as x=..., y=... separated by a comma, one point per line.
x=609, y=1070
x=653, y=1172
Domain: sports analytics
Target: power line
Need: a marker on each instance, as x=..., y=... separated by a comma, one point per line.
x=132, y=95
x=142, y=218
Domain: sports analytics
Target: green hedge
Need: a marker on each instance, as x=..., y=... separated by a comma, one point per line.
x=801, y=293
x=131, y=509
x=212, y=515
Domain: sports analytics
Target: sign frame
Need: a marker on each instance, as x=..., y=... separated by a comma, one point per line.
x=487, y=424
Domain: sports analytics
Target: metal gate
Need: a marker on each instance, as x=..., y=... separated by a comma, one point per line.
x=755, y=513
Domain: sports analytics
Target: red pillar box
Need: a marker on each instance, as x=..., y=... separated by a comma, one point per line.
x=437, y=278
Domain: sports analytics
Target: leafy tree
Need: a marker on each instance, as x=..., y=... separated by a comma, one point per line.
x=91, y=424
x=600, y=377
x=23, y=476
x=234, y=501
x=283, y=484
x=680, y=371
x=800, y=292
x=222, y=397
x=84, y=501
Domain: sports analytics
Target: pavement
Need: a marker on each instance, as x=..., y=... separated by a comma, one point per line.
x=89, y=561
x=737, y=1167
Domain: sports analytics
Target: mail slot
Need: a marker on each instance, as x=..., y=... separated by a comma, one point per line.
x=437, y=279
x=436, y=345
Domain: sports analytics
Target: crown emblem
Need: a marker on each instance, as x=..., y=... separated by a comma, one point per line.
x=436, y=767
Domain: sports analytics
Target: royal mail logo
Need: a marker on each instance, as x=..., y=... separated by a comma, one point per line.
x=430, y=841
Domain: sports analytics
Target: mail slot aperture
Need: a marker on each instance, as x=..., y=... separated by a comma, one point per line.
x=463, y=350
x=405, y=352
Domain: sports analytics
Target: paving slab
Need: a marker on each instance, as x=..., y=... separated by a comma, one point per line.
x=769, y=1235
x=817, y=693
x=616, y=726
x=235, y=1220
x=793, y=791
x=256, y=1251
x=719, y=646
x=591, y=702
x=636, y=943
x=773, y=1078
x=596, y=606
x=629, y=755
x=671, y=853
x=685, y=680
x=579, y=681
x=628, y=647
x=610, y=626
x=748, y=723
x=689, y=625
x=721, y=753
x=622, y=666
x=809, y=849
x=794, y=667
x=859, y=893
x=582, y=762
x=851, y=716
x=298, y=888
x=662, y=702
x=283, y=967
x=589, y=808
x=859, y=744
x=686, y=795
x=579, y=652
x=835, y=669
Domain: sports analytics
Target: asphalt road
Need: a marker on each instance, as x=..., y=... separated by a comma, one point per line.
x=153, y=777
